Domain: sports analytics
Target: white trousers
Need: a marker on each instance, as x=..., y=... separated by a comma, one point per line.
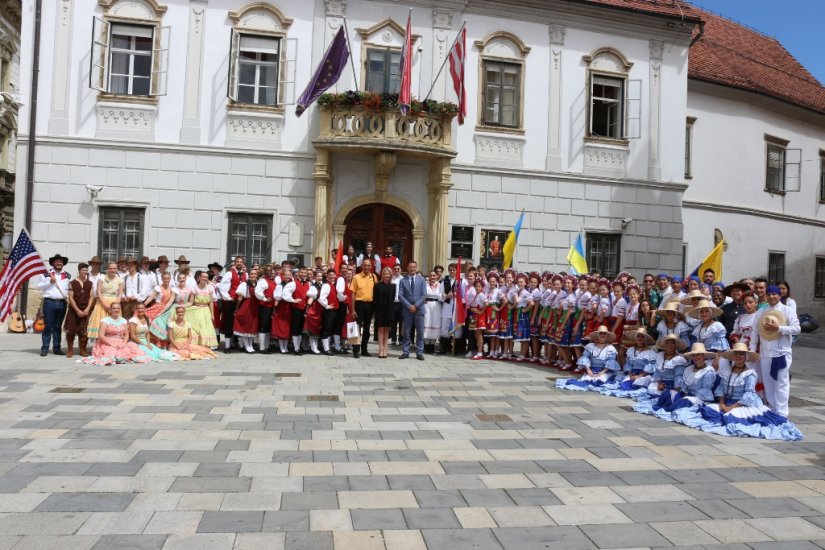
x=778, y=391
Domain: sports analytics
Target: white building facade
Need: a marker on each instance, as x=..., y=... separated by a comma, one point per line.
x=154, y=136
x=10, y=14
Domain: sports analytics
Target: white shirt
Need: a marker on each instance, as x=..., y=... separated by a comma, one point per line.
x=376, y=260
x=341, y=289
x=190, y=280
x=782, y=345
x=323, y=297
x=226, y=282
x=136, y=286
x=260, y=287
x=94, y=279
x=159, y=278
x=59, y=291
x=397, y=282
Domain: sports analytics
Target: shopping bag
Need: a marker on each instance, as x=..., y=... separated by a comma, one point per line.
x=353, y=334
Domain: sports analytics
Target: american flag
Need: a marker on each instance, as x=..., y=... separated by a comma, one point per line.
x=24, y=263
x=457, y=56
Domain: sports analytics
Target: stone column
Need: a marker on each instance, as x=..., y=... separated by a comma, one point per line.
x=418, y=247
x=334, y=12
x=59, y=119
x=190, y=131
x=323, y=183
x=438, y=190
x=384, y=165
x=654, y=167
x=553, y=162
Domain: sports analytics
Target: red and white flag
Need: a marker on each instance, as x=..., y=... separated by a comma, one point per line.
x=24, y=263
x=405, y=70
x=457, y=56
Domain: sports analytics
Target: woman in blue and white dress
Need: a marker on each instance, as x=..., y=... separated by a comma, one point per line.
x=697, y=384
x=690, y=301
x=740, y=411
x=669, y=366
x=673, y=322
x=598, y=360
x=710, y=332
x=639, y=367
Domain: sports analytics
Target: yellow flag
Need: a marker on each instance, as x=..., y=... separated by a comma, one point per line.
x=712, y=261
x=509, y=247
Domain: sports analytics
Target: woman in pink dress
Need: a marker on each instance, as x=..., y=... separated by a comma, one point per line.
x=183, y=295
x=113, y=345
x=182, y=339
x=163, y=299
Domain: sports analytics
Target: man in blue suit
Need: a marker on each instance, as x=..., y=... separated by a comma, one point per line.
x=412, y=295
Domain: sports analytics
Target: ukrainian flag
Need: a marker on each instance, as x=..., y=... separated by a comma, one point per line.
x=576, y=259
x=509, y=247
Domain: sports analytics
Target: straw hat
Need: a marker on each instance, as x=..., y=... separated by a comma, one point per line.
x=95, y=260
x=145, y=260
x=688, y=300
x=774, y=317
x=181, y=260
x=643, y=331
x=740, y=346
x=602, y=330
x=699, y=349
x=681, y=345
x=704, y=304
x=131, y=260
x=162, y=258
x=671, y=305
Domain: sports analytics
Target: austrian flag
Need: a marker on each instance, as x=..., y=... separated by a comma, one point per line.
x=457, y=58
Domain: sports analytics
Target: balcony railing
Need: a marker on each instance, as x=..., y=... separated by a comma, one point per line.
x=354, y=127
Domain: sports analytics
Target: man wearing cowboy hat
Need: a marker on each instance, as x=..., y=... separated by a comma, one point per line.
x=146, y=269
x=55, y=289
x=183, y=268
x=776, y=326
x=163, y=267
x=94, y=273
x=122, y=268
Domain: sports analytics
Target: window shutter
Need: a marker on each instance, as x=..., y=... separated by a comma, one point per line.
x=590, y=105
x=793, y=169
x=234, y=54
x=160, y=61
x=99, y=55
x=633, y=109
x=286, y=73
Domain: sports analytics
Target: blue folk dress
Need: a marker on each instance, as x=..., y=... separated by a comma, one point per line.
x=639, y=362
x=601, y=360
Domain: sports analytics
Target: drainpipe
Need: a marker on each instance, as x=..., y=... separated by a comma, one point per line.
x=38, y=10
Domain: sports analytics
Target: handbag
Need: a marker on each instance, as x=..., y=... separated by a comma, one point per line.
x=353, y=334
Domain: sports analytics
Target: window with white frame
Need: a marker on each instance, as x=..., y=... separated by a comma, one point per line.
x=258, y=68
x=261, y=58
x=782, y=166
x=613, y=99
x=129, y=59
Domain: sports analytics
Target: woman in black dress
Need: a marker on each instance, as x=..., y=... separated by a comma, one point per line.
x=383, y=298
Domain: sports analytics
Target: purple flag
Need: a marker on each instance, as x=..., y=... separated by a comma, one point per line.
x=327, y=73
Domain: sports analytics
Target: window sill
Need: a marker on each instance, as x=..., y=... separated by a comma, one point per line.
x=499, y=129
x=132, y=99
x=776, y=192
x=606, y=140
x=232, y=106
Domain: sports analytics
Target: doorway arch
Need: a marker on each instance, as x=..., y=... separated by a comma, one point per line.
x=381, y=224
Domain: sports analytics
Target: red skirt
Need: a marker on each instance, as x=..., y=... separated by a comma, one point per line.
x=619, y=328
x=246, y=317
x=217, y=310
x=312, y=321
x=281, y=321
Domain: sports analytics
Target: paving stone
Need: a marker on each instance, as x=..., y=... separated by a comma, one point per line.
x=718, y=509
x=130, y=542
x=217, y=470
x=542, y=538
x=460, y=539
x=439, y=498
x=231, y=522
x=388, y=518
x=308, y=541
x=788, y=529
x=430, y=518
x=592, y=479
x=645, y=477
x=291, y=520
x=533, y=497
x=86, y=502
x=683, y=533
x=624, y=535
x=660, y=511
x=772, y=507
x=316, y=500
x=486, y=497
x=368, y=483
x=211, y=485
x=414, y=482
x=712, y=491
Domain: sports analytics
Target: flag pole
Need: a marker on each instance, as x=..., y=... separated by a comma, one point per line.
x=351, y=62
x=440, y=69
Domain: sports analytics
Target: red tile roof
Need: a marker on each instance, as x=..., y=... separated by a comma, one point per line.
x=733, y=55
x=676, y=8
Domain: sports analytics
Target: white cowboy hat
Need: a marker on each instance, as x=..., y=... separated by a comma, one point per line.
x=602, y=330
x=681, y=345
x=688, y=300
x=740, y=347
x=774, y=317
x=671, y=305
x=641, y=331
x=704, y=304
x=699, y=349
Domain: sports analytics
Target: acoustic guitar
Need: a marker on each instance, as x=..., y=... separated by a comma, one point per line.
x=39, y=323
x=16, y=322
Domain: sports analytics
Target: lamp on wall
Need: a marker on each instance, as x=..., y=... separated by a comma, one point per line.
x=626, y=222
x=93, y=191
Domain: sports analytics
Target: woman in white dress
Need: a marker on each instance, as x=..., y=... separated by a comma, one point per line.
x=432, y=310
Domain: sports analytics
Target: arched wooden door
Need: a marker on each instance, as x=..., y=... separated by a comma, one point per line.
x=382, y=225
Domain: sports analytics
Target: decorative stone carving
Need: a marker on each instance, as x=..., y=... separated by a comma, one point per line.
x=442, y=19
x=335, y=8
x=503, y=44
x=656, y=49
x=500, y=149
x=557, y=34
x=260, y=16
x=608, y=60
x=133, y=9
x=126, y=120
x=387, y=32
x=256, y=130
x=605, y=159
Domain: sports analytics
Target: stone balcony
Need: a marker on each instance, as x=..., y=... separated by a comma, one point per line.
x=357, y=128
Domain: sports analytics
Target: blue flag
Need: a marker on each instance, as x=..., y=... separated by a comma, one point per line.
x=327, y=73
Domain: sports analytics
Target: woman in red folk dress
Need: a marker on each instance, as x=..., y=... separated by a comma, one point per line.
x=314, y=313
x=246, y=313
x=282, y=317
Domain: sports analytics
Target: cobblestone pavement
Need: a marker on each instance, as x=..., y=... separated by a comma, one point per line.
x=264, y=452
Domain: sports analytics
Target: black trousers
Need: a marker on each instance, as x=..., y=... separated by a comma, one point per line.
x=397, y=322
x=228, y=318
x=340, y=318
x=328, y=322
x=364, y=312
x=297, y=325
x=264, y=319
